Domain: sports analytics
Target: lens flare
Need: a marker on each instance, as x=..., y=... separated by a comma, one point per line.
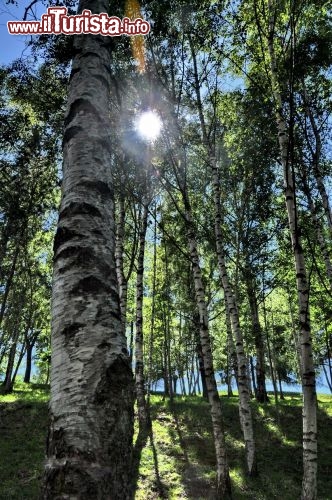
x=148, y=125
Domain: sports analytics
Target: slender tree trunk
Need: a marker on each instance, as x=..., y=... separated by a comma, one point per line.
x=223, y=479
x=316, y=159
x=5, y=235
x=197, y=376
x=280, y=386
x=273, y=376
x=242, y=374
x=309, y=484
x=7, y=383
x=9, y=283
x=29, y=348
x=296, y=338
x=329, y=381
x=139, y=357
x=91, y=409
x=18, y=364
x=328, y=352
x=131, y=343
x=244, y=396
x=318, y=229
x=153, y=306
x=167, y=329
x=253, y=378
x=183, y=389
x=261, y=393
x=231, y=354
x=201, y=369
x=165, y=375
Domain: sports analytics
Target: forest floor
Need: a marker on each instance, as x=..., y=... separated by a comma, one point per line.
x=178, y=462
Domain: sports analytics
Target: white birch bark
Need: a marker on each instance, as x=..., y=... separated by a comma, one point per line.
x=244, y=396
x=309, y=484
x=139, y=358
x=260, y=393
x=316, y=160
x=242, y=375
x=91, y=407
x=119, y=250
x=223, y=479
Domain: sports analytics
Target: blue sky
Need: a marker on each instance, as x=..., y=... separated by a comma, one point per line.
x=14, y=46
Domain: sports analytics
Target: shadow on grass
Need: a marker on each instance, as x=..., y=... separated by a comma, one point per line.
x=145, y=433
x=194, y=483
x=278, y=434
x=23, y=430
x=287, y=440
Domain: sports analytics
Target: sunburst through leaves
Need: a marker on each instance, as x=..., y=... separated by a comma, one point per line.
x=137, y=42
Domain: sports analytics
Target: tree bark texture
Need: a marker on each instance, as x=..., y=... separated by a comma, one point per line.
x=223, y=479
x=309, y=483
x=119, y=250
x=260, y=393
x=91, y=409
x=231, y=306
x=139, y=357
x=244, y=396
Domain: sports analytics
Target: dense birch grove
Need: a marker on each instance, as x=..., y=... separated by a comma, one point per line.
x=174, y=262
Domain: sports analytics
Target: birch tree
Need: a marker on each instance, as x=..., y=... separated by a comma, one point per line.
x=209, y=137
x=91, y=408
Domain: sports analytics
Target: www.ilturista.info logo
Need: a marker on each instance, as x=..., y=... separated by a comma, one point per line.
x=57, y=21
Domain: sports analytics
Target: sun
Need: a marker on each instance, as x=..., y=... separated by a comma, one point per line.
x=148, y=125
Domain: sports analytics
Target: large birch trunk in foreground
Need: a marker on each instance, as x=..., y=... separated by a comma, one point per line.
x=309, y=484
x=119, y=251
x=91, y=408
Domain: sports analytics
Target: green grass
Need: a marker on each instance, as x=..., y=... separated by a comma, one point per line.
x=179, y=462
x=23, y=430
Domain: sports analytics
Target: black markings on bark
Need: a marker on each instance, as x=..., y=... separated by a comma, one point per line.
x=90, y=284
x=309, y=374
x=70, y=331
x=56, y=443
x=79, y=479
x=70, y=133
x=97, y=232
x=106, y=67
x=67, y=253
x=103, y=314
x=90, y=53
x=85, y=106
x=104, y=345
x=74, y=71
x=63, y=235
x=102, y=188
x=80, y=256
x=79, y=208
x=111, y=385
x=104, y=143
